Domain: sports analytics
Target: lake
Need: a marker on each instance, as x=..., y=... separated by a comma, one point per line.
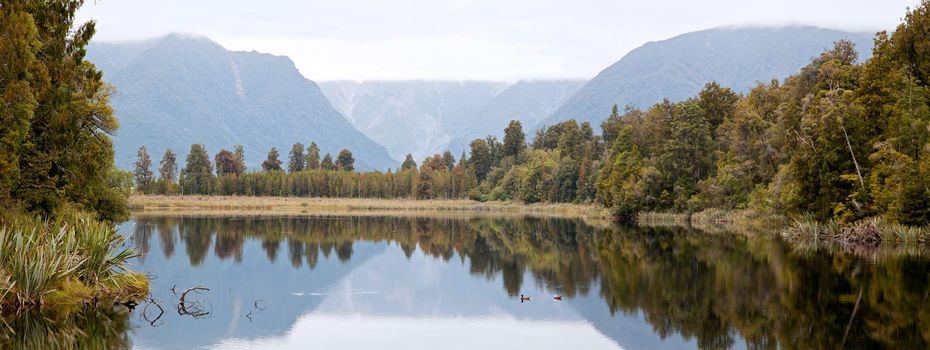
x=375, y=282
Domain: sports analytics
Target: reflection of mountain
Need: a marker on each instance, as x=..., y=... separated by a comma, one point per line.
x=340, y=331
x=392, y=298
x=238, y=285
x=639, y=287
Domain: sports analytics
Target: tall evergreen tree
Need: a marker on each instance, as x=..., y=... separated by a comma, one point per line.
x=621, y=184
x=481, y=158
x=169, y=166
x=272, y=163
x=448, y=160
x=143, y=170
x=240, y=156
x=198, y=171
x=718, y=103
x=409, y=163
x=327, y=163
x=345, y=161
x=514, y=139
x=296, y=160
x=313, y=156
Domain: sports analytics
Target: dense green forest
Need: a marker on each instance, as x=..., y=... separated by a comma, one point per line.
x=839, y=140
x=55, y=118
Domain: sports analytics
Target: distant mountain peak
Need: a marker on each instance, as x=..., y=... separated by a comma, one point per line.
x=677, y=68
x=182, y=89
x=423, y=117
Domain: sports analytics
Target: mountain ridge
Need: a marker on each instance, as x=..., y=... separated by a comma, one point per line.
x=424, y=117
x=678, y=67
x=195, y=91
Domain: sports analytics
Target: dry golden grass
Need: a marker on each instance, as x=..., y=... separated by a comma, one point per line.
x=236, y=205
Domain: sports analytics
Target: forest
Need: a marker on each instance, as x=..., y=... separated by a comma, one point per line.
x=839, y=140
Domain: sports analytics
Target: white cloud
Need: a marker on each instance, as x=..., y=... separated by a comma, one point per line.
x=462, y=39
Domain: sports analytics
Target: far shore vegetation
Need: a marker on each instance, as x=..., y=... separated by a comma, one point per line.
x=842, y=142
x=59, y=190
x=194, y=205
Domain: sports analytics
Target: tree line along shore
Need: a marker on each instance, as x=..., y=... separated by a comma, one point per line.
x=841, y=143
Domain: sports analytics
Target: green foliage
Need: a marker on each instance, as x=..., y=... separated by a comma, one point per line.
x=169, y=166
x=143, y=170
x=514, y=139
x=439, y=177
x=198, y=172
x=409, y=163
x=481, y=158
x=313, y=156
x=296, y=161
x=55, y=118
x=345, y=161
x=839, y=140
x=327, y=163
x=63, y=261
x=229, y=163
x=272, y=163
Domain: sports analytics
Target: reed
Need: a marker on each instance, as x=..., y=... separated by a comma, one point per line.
x=663, y=219
x=867, y=232
x=64, y=262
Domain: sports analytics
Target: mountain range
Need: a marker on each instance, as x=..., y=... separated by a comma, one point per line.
x=178, y=90
x=429, y=117
x=677, y=68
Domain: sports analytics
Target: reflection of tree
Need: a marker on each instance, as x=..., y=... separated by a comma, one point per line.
x=344, y=251
x=167, y=235
x=295, y=252
x=196, y=236
x=229, y=245
x=313, y=254
x=708, y=286
x=271, y=248
x=714, y=288
x=553, y=250
x=87, y=329
x=141, y=233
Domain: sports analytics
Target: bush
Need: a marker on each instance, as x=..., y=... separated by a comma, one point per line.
x=64, y=261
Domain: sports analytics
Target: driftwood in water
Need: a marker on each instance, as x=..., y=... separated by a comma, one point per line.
x=194, y=309
x=145, y=314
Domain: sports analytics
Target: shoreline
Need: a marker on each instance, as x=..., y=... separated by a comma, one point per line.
x=186, y=205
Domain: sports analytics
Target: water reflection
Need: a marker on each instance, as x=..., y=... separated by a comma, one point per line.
x=346, y=282
x=99, y=329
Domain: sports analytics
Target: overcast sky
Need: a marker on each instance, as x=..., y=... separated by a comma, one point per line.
x=461, y=39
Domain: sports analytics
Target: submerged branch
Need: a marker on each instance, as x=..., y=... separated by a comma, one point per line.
x=194, y=309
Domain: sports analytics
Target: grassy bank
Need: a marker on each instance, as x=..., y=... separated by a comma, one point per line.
x=869, y=237
x=64, y=264
x=868, y=232
x=235, y=205
x=715, y=220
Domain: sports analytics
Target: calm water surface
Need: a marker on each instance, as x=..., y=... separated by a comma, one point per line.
x=455, y=283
